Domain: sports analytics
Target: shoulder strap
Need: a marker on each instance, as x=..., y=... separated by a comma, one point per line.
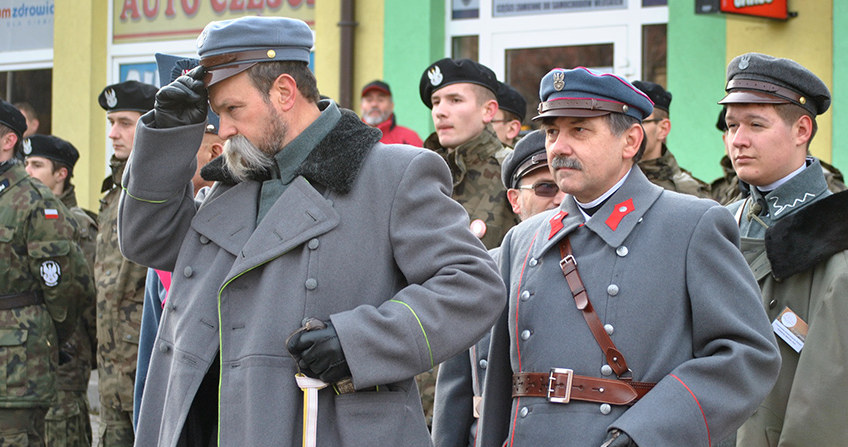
x=568, y=264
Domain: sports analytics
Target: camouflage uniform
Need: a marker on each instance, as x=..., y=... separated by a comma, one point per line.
x=725, y=190
x=476, y=170
x=67, y=422
x=120, y=296
x=665, y=172
x=38, y=254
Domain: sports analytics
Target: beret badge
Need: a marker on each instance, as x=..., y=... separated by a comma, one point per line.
x=744, y=61
x=435, y=75
x=111, y=98
x=27, y=146
x=559, y=81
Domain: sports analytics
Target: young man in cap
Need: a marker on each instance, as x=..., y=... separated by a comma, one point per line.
x=658, y=163
x=794, y=237
x=595, y=349
x=378, y=110
x=120, y=282
x=322, y=262
x=43, y=273
x=459, y=387
x=461, y=94
x=512, y=107
x=51, y=160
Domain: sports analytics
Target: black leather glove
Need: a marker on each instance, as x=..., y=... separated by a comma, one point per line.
x=617, y=438
x=319, y=353
x=183, y=101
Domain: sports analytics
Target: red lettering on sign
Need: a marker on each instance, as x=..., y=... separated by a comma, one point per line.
x=190, y=7
x=254, y=4
x=295, y=3
x=150, y=12
x=274, y=3
x=237, y=5
x=169, y=9
x=132, y=7
x=218, y=5
x=310, y=2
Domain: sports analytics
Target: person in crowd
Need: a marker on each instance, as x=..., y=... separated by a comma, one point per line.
x=378, y=110
x=512, y=107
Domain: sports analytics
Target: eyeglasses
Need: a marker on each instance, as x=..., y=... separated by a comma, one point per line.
x=543, y=189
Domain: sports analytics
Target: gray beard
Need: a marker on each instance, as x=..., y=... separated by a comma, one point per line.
x=242, y=158
x=371, y=120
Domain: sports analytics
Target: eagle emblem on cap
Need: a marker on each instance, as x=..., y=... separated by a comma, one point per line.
x=744, y=61
x=435, y=75
x=559, y=81
x=27, y=146
x=111, y=98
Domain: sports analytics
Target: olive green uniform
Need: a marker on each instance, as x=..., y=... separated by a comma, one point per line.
x=42, y=272
x=665, y=172
x=120, y=296
x=67, y=422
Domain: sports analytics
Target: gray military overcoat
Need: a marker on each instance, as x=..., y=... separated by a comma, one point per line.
x=665, y=275
x=368, y=237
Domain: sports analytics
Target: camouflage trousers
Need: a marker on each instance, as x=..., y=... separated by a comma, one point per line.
x=22, y=427
x=116, y=429
x=426, y=382
x=68, y=423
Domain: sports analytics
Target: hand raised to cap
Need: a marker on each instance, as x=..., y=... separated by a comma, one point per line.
x=182, y=102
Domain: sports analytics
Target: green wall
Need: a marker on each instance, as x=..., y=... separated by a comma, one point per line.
x=696, y=78
x=839, y=108
x=415, y=36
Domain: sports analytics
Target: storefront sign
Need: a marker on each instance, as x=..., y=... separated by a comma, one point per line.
x=502, y=8
x=151, y=20
x=775, y=9
x=26, y=25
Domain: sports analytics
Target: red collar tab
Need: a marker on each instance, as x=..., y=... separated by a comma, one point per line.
x=556, y=223
x=621, y=210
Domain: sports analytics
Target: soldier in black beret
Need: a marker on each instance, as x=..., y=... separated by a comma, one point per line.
x=512, y=108
x=794, y=233
x=12, y=127
x=51, y=160
x=658, y=163
x=120, y=282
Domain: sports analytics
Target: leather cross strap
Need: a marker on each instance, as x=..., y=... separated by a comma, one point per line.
x=562, y=386
x=569, y=268
x=16, y=300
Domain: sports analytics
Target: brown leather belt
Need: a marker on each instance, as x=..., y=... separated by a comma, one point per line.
x=562, y=385
x=16, y=300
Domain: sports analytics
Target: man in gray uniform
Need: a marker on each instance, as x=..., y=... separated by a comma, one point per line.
x=618, y=353
x=795, y=239
x=320, y=258
x=459, y=388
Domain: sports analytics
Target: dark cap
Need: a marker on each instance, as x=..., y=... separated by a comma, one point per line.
x=449, y=71
x=131, y=96
x=528, y=156
x=660, y=96
x=53, y=148
x=378, y=85
x=755, y=78
x=171, y=67
x=12, y=118
x=510, y=100
x=581, y=92
x=229, y=47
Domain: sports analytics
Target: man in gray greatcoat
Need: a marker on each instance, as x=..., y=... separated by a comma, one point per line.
x=318, y=252
x=632, y=319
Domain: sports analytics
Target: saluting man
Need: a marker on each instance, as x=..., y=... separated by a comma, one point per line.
x=632, y=319
x=318, y=251
x=795, y=239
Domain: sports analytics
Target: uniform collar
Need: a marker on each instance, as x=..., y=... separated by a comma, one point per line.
x=805, y=187
x=472, y=152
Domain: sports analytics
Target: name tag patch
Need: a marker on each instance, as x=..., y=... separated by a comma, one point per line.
x=791, y=329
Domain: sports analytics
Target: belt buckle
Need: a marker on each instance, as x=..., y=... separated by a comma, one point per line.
x=551, y=388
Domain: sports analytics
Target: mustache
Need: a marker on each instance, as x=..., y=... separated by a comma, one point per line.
x=564, y=162
x=243, y=159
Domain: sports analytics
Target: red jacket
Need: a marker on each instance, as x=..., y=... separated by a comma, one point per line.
x=394, y=134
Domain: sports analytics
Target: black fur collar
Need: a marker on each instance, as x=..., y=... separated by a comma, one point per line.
x=334, y=163
x=801, y=240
